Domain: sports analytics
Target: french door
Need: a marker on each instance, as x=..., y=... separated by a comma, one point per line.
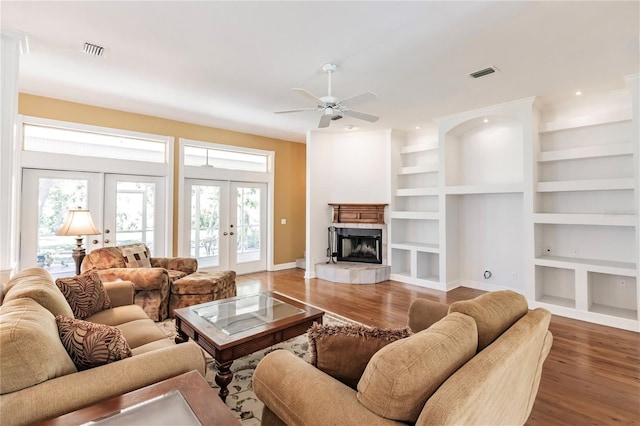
x=226, y=224
x=125, y=208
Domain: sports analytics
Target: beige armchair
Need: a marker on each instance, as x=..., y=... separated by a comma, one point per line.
x=151, y=276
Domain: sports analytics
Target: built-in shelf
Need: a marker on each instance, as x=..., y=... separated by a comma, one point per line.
x=609, y=150
x=411, y=245
x=585, y=219
x=423, y=168
x=416, y=192
x=414, y=215
x=586, y=185
x=420, y=147
x=585, y=121
x=495, y=188
x=594, y=265
x=557, y=301
x=614, y=311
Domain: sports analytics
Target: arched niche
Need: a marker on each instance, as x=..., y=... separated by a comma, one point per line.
x=485, y=150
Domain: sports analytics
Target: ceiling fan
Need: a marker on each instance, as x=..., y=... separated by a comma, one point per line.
x=333, y=108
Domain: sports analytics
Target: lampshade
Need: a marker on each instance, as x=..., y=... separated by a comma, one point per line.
x=78, y=222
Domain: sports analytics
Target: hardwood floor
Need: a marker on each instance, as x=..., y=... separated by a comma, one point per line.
x=591, y=376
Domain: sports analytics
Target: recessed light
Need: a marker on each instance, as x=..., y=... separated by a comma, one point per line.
x=578, y=93
x=486, y=120
x=417, y=127
x=350, y=127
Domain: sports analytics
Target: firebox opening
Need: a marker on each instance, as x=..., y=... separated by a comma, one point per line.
x=359, y=245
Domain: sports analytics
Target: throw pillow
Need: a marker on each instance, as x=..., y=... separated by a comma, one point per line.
x=493, y=312
x=91, y=345
x=136, y=256
x=402, y=376
x=85, y=294
x=343, y=351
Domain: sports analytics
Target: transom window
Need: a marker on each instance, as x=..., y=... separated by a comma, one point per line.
x=225, y=159
x=56, y=140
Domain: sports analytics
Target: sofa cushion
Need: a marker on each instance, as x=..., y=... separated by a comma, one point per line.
x=105, y=258
x=36, y=284
x=85, y=294
x=401, y=376
x=136, y=256
x=31, y=349
x=493, y=312
x=330, y=344
x=91, y=345
x=118, y=315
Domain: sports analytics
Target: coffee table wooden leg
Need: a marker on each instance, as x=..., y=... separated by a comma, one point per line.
x=223, y=378
x=181, y=337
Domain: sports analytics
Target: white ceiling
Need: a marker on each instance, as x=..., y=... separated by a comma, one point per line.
x=231, y=64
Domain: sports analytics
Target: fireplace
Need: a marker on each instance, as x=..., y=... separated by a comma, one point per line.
x=358, y=245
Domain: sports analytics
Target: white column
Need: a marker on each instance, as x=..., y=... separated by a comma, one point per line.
x=13, y=44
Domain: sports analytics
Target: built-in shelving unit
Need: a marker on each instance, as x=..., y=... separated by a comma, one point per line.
x=414, y=231
x=585, y=212
x=543, y=196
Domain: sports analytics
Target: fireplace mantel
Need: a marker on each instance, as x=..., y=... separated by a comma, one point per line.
x=358, y=213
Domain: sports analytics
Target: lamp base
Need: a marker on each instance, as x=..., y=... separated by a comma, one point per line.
x=78, y=254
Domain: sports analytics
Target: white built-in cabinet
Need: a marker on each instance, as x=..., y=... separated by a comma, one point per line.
x=540, y=199
x=414, y=216
x=585, y=212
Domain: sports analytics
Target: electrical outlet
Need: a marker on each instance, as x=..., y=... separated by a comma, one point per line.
x=514, y=276
x=574, y=252
x=623, y=283
x=547, y=251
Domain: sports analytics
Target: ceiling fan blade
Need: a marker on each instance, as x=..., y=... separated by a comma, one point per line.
x=308, y=95
x=361, y=115
x=325, y=120
x=295, y=110
x=358, y=99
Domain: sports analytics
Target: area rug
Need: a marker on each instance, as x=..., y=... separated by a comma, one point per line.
x=241, y=399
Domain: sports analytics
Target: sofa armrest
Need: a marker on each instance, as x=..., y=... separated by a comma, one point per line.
x=423, y=313
x=142, y=278
x=187, y=265
x=299, y=393
x=77, y=390
x=120, y=292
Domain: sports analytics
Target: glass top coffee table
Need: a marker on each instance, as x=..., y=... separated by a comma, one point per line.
x=232, y=328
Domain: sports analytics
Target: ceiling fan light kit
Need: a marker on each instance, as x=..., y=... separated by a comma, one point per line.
x=332, y=107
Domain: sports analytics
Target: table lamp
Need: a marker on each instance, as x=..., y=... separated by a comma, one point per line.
x=78, y=222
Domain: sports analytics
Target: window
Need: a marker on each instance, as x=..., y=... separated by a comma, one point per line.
x=223, y=159
x=56, y=140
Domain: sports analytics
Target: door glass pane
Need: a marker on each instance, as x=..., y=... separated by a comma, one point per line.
x=55, y=198
x=248, y=231
x=205, y=224
x=135, y=208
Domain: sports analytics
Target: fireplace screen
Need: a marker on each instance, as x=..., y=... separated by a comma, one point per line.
x=359, y=245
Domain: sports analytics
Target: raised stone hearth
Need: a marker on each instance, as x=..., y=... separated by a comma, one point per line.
x=353, y=272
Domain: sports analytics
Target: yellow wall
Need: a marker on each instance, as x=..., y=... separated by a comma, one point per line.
x=290, y=159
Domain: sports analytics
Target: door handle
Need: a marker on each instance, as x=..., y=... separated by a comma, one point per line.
x=95, y=241
x=107, y=241
x=224, y=233
x=230, y=233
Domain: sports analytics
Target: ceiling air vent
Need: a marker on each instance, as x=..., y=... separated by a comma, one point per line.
x=93, y=49
x=483, y=72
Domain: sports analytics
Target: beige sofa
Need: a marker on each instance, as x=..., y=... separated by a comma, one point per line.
x=476, y=362
x=38, y=380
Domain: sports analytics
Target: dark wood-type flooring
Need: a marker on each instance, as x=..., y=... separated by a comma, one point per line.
x=591, y=376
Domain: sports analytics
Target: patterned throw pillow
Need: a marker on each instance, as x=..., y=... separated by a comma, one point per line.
x=343, y=351
x=85, y=294
x=136, y=256
x=91, y=345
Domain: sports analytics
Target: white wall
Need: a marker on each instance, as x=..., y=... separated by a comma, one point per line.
x=341, y=168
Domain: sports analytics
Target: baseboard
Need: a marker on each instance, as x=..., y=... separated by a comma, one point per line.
x=478, y=285
x=283, y=266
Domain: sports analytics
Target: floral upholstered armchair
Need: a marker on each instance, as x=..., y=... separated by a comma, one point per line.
x=151, y=276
